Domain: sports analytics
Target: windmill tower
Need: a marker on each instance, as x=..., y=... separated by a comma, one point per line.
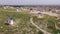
x=10, y=21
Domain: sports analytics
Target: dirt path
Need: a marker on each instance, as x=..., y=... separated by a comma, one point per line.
x=48, y=13
x=57, y=27
x=45, y=32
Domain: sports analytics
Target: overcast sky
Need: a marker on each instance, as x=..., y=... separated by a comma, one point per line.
x=30, y=2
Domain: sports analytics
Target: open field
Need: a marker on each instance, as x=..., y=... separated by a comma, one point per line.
x=23, y=27
x=22, y=23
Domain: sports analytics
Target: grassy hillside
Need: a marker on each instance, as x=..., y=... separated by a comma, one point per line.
x=23, y=27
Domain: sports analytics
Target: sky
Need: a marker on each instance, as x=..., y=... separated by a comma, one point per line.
x=29, y=2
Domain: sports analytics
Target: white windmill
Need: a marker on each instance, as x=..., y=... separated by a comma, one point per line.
x=10, y=21
x=17, y=9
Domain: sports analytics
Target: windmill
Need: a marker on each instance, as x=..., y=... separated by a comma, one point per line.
x=10, y=20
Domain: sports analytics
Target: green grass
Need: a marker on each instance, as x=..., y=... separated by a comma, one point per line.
x=51, y=20
x=24, y=23
x=24, y=26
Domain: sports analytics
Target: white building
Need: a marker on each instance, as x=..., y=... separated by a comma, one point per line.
x=10, y=21
x=39, y=15
x=17, y=9
x=5, y=7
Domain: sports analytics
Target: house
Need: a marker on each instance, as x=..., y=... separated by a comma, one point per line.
x=17, y=9
x=5, y=7
x=39, y=15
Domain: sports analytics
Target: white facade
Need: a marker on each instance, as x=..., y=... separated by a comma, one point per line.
x=17, y=9
x=10, y=21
